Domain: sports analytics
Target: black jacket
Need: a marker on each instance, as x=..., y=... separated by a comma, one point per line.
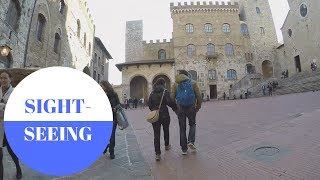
x=154, y=102
x=114, y=101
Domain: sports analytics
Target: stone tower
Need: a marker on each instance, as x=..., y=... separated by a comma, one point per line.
x=258, y=17
x=134, y=38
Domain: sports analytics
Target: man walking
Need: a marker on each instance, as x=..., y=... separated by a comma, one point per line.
x=187, y=94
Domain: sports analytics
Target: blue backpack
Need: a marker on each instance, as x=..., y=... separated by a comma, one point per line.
x=185, y=95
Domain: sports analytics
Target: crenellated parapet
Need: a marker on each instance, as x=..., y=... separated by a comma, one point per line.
x=204, y=7
x=157, y=41
x=84, y=5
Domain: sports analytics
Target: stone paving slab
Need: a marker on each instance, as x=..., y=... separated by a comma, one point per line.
x=129, y=164
x=238, y=140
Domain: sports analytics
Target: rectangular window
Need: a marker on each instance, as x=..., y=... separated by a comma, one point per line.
x=262, y=32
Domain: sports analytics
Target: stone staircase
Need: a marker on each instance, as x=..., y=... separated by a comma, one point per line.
x=297, y=83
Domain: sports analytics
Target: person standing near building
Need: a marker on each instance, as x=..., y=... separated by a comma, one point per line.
x=188, y=97
x=114, y=101
x=155, y=97
x=5, y=91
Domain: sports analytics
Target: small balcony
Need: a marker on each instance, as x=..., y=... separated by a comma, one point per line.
x=212, y=55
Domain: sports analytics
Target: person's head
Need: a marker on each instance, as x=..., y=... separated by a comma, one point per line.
x=5, y=78
x=184, y=72
x=106, y=86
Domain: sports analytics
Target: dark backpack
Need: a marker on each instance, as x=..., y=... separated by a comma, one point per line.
x=185, y=95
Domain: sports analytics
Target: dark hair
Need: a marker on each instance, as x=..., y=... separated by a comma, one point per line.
x=184, y=72
x=7, y=72
x=160, y=81
x=108, y=86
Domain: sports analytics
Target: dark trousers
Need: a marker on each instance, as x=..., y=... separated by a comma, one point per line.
x=14, y=158
x=112, y=141
x=183, y=114
x=157, y=132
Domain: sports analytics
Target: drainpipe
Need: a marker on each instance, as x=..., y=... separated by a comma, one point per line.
x=27, y=43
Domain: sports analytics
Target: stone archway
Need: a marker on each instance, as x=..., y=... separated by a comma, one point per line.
x=267, y=69
x=86, y=70
x=166, y=78
x=139, y=88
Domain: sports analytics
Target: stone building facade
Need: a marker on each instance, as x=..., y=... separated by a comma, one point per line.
x=301, y=36
x=100, y=61
x=15, y=17
x=44, y=33
x=218, y=43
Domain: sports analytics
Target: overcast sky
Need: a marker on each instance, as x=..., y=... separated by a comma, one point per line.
x=110, y=19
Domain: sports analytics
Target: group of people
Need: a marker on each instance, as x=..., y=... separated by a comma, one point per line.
x=185, y=100
x=270, y=87
x=285, y=74
x=134, y=103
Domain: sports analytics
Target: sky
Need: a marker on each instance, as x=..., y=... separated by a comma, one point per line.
x=110, y=18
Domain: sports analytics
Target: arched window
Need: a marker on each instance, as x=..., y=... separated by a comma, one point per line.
x=191, y=50
x=208, y=28
x=189, y=28
x=262, y=32
x=57, y=43
x=89, y=48
x=229, y=49
x=226, y=28
x=193, y=75
x=258, y=10
x=210, y=49
x=13, y=14
x=232, y=74
x=62, y=6
x=244, y=29
x=79, y=28
x=85, y=40
x=40, y=26
x=5, y=61
x=162, y=54
x=212, y=74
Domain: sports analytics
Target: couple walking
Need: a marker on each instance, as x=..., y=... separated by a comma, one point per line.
x=185, y=101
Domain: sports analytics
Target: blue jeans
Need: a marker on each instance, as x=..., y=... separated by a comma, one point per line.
x=183, y=114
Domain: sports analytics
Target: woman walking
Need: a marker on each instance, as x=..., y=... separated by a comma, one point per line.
x=5, y=91
x=164, y=117
x=114, y=101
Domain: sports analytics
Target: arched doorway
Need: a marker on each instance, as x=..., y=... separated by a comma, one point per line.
x=193, y=75
x=139, y=88
x=267, y=69
x=86, y=70
x=250, y=69
x=168, y=82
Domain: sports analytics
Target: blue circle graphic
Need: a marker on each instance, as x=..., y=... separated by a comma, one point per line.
x=58, y=130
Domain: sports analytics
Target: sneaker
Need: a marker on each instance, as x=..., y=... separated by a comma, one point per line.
x=158, y=157
x=192, y=146
x=167, y=148
x=184, y=152
x=112, y=156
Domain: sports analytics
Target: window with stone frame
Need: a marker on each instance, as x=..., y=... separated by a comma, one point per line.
x=232, y=74
x=262, y=32
x=78, y=28
x=244, y=29
x=89, y=48
x=94, y=75
x=162, y=54
x=102, y=69
x=210, y=49
x=191, y=50
x=229, y=49
x=303, y=10
x=212, y=74
x=13, y=14
x=40, y=27
x=57, y=43
x=258, y=10
x=62, y=6
x=85, y=40
x=226, y=28
x=208, y=28
x=189, y=28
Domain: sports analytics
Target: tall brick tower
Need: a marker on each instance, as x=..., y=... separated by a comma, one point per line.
x=134, y=38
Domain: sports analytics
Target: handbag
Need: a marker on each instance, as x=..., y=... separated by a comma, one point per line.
x=121, y=118
x=153, y=116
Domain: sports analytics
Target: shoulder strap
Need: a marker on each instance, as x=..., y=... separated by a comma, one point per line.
x=162, y=98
